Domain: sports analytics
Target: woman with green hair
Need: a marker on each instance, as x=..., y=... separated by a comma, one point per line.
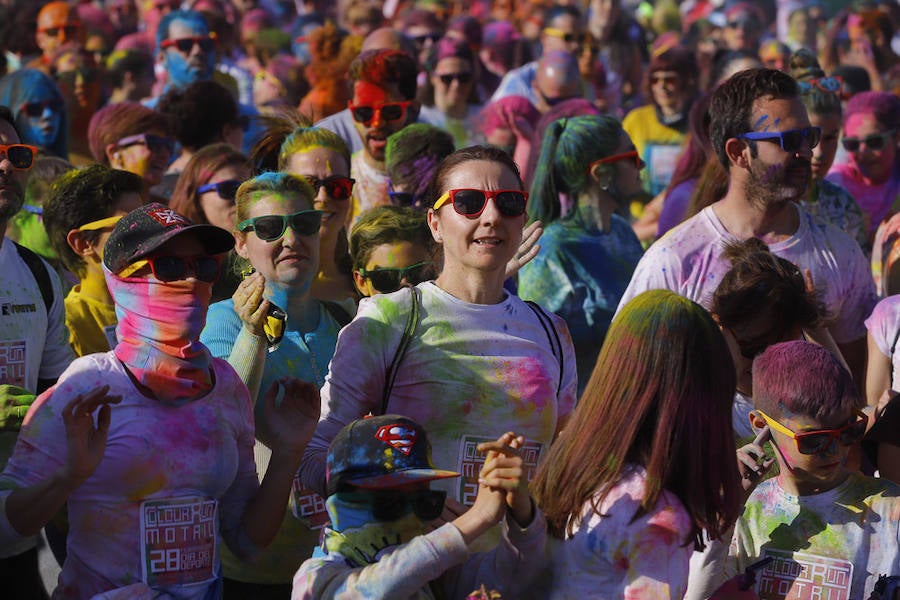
x=587, y=172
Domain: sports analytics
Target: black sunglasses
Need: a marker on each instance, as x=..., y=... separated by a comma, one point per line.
x=462, y=78
x=336, y=186
x=176, y=268
x=402, y=198
x=227, y=189
x=36, y=109
x=271, y=227
x=419, y=40
x=20, y=155
x=69, y=30
x=386, y=280
x=791, y=141
x=390, y=505
x=69, y=77
x=154, y=143
x=393, y=111
x=471, y=203
x=875, y=142
x=186, y=44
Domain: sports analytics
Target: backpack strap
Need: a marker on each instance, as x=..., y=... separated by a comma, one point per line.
x=39, y=272
x=553, y=336
x=893, y=347
x=412, y=324
x=337, y=312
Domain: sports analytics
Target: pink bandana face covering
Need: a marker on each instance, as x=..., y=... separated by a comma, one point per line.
x=159, y=332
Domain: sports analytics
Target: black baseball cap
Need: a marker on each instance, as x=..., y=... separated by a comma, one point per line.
x=145, y=229
x=381, y=452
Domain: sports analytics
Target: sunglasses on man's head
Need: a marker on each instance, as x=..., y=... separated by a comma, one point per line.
x=387, y=280
x=271, y=227
x=791, y=141
x=36, y=109
x=462, y=78
x=389, y=505
x=336, y=186
x=393, y=111
x=154, y=143
x=874, y=142
x=819, y=440
x=184, y=45
x=226, y=190
x=20, y=155
x=471, y=203
x=177, y=268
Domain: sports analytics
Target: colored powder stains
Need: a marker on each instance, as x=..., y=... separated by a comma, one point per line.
x=760, y=121
x=620, y=562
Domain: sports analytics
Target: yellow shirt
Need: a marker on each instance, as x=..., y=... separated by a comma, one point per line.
x=91, y=322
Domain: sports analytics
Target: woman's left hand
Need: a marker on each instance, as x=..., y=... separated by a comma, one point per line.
x=527, y=250
x=290, y=415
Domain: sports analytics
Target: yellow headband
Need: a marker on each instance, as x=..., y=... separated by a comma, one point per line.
x=100, y=224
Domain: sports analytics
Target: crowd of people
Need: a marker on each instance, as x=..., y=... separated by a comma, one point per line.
x=440, y=299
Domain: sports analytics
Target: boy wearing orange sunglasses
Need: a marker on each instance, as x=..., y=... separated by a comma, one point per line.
x=830, y=531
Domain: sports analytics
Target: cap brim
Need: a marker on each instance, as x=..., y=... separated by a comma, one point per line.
x=398, y=478
x=215, y=240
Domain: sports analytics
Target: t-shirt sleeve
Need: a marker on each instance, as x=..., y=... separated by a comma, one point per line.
x=246, y=483
x=568, y=390
x=658, y=269
x=57, y=353
x=222, y=328
x=858, y=296
x=883, y=325
x=401, y=574
x=355, y=381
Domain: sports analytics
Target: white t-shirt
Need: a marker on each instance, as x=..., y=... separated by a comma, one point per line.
x=34, y=342
x=612, y=555
x=173, y=482
x=471, y=373
x=884, y=324
x=688, y=260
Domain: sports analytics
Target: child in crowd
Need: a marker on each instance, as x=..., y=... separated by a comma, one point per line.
x=380, y=545
x=830, y=532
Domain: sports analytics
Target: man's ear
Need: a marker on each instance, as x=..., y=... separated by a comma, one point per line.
x=80, y=245
x=756, y=420
x=738, y=152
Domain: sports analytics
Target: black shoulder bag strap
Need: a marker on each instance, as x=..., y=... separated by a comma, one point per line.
x=893, y=347
x=555, y=343
x=39, y=271
x=337, y=312
x=411, y=324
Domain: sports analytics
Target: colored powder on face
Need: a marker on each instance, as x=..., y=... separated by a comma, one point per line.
x=760, y=121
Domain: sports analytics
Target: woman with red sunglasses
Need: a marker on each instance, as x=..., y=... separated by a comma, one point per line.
x=150, y=445
x=458, y=354
x=588, y=170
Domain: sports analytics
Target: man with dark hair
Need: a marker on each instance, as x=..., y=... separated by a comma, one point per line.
x=83, y=208
x=763, y=138
x=33, y=340
x=384, y=92
x=130, y=75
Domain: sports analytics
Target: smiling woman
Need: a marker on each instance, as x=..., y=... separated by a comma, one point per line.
x=478, y=361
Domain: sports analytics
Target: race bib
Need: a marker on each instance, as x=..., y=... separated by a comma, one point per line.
x=178, y=541
x=308, y=506
x=12, y=363
x=471, y=460
x=798, y=576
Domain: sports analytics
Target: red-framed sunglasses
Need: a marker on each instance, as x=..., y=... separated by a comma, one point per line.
x=392, y=111
x=632, y=155
x=471, y=203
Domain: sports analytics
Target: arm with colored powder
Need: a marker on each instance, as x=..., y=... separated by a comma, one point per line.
x=356, y=377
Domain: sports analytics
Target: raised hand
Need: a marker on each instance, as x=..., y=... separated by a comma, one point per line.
x=85, y=441
x=290, y=414
x=527, y=250
x=752, y=461
x=249, y=303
